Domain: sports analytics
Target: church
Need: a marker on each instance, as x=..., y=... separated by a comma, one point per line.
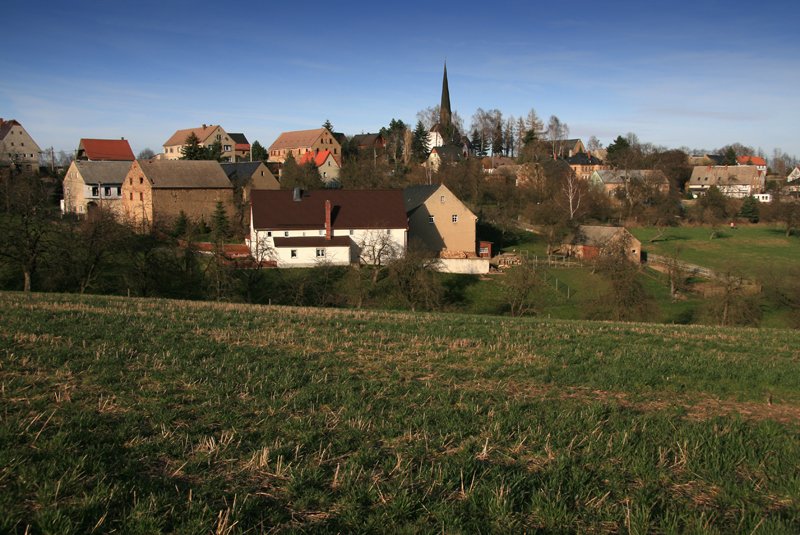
x=445, y=133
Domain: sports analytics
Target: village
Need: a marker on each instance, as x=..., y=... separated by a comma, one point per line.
x=287, y=205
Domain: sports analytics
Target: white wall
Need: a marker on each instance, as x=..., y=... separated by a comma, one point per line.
x=307, y=256
x=473, y=266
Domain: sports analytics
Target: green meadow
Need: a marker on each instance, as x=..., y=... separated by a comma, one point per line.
x=143, y=415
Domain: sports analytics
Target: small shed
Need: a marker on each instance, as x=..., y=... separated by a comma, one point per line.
x=591, y=241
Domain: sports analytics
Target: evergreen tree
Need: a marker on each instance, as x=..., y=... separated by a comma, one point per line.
x=181, y=225
x=213, y=152
x=258, y=152
x=477, y=143
x=327, y=124
x=220, y=223
x=497, y=140
x=730, y=157
x=191, y=149
x=419, y=143
x=749, y=209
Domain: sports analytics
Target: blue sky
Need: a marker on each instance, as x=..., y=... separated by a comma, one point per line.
x=699, y=74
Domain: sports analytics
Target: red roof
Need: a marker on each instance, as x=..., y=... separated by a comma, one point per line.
x=317, y=159
x=350, y=209
x=115, y=150
x=750, y=160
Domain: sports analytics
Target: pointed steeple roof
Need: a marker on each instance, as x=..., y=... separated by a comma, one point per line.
x=444, y=109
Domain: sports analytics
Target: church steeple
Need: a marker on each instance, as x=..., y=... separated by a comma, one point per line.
x=444, y=109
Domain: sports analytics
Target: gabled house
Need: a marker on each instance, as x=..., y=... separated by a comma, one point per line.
x=300, y=142
x=241, y=147
x=372, y=143
x=706, y=159
x=591, y=241
x=326, y=164
x=758, y=161
x=17, y=148
x=246, y=177
x=90, y=185
x=737, y=181
x=206, y=134
x=296, y=228
x=612, y=180
x=157, y=191
x=439, y=221
x=104, y=150
x=448, y=154
x=794, y=174
x=583, y=164
x=566, y=148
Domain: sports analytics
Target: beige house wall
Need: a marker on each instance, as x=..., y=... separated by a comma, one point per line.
x=76, y=200
x=326, y=141
x=443, y=234
x=173, y=152
x=137, y=198
x=19, y=147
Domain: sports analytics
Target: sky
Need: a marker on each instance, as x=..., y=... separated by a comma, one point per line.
x=698, y=74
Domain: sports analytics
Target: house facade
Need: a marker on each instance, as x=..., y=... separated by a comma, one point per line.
x=296, y=228
x=326, y=164
x=206, y=134
x=584, y=164
x=90, y=185
x=794, y=174
x=439, y=221
x=737, y=181
x=104, y=150
x=157, y=191
x=591, y=241
x=241, y=147
x=612, y=180
x=246, y=177
x=300, y=142
x=17, y=147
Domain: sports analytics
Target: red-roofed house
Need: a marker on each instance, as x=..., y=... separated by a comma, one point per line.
x=759, y=162
x=304, y=228
x=325, y=163
x=300, y=142
x=105, y=150
x=206, y=135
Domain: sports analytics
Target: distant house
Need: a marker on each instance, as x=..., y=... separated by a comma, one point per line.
x=325, y=162
x=448, y=154
x=584, y=164
x=737, y=181
x=241, y=147
x=206, y=134
x=439, y=221
x=794, y=174
x=157, y=191
x=612, y=180
x=372, y=143
x=591, y=241
x=567, y=148
x=246, y=177
x=104, y=150
x=17, y=148
x=706, y=159
x=90, y=185
x=300, y=142
x=296, y=228
x=759, y=162
x=492, y=164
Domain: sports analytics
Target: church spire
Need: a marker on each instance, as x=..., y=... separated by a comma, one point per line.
x=444, y=109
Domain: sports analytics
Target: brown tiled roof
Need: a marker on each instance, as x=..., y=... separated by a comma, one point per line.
x=595, y=235
x=115, y=150
x=296, y=139
x=203, y=174
x=313, y=241
x=102, y=172
x=351, y=209
x=724, y=175
x=202, y=133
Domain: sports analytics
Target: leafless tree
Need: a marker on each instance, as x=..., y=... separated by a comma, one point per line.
x=521, y=286
x=573, y=190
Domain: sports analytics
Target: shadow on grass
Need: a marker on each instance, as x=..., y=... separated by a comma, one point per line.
x=455, y=288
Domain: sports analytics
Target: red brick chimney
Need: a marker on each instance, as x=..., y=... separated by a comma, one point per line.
x=327, y=219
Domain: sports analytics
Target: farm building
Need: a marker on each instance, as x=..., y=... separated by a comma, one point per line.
x=591, y=241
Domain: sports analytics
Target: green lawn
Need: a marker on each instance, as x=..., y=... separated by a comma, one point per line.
x=142, y=416
x=749, y=248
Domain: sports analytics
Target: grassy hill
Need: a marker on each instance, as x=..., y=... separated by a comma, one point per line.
x=148, y=415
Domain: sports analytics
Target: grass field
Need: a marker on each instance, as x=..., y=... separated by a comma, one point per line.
x=141, y=416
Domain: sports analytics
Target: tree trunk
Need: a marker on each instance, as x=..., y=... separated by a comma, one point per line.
x=27, y=285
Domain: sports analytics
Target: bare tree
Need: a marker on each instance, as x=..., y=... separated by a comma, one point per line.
x=557, y=132
x=573, y=190
x=521, y=286
x=593, y=144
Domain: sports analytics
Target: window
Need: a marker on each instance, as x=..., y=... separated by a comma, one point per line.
x=130, y=181
x=352, y=232
x=226, y=148
x=293, y=253
x=130, y=195
x=119, y=190
x=141, y=196
x=320, y=253
x=430, y=219
x=286, y=234
x=269, y=234
x=95, y=191
x=388, y=231
x=454, y=218
x=322, y=232
x=107, y=191
x=141, y=180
